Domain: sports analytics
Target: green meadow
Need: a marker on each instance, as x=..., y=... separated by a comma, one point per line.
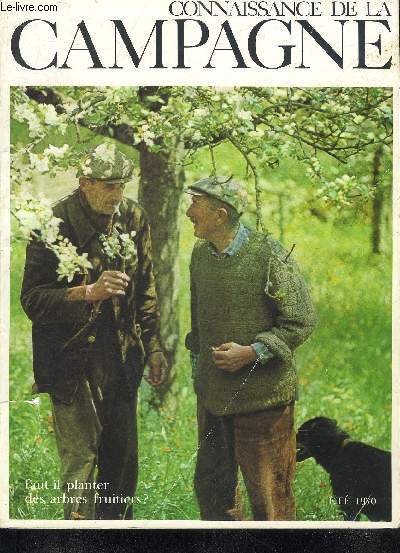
x=344, y=368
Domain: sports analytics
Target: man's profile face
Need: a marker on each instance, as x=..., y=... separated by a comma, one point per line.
x=204, y=217
x=102, y=196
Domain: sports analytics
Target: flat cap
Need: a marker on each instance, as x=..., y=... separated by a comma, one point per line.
x=224, y=189
x=106, y=162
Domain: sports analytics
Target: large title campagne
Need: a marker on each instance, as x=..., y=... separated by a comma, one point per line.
x=274, y=33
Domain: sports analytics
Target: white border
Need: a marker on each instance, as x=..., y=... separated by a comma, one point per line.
x=9, y=77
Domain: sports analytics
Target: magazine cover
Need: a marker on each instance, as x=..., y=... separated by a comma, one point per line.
x=199, y=264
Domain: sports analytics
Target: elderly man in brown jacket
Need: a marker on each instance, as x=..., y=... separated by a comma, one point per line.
x=92, y=336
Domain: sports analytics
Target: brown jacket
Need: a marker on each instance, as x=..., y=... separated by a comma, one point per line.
x=60, y=347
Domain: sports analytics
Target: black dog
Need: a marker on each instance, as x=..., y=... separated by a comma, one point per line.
x=360, y=474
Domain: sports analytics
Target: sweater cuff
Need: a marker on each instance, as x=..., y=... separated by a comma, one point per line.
x=262, y=352
x=276, y=346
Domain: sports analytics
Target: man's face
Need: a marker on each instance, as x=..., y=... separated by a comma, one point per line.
x=204, y=217
x=102, y=196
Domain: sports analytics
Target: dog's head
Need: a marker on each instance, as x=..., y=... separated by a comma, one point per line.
x=317, y=437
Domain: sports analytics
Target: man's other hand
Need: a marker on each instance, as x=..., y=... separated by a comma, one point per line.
x=157, y=369
x=231, y=357
x=110, y=283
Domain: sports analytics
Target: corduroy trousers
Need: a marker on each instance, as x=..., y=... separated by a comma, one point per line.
x=263, y=445
x=96, y=438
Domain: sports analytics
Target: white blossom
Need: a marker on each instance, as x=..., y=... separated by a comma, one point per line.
x=245, y=115
x=106, y=152
x=50, y=115
x=119, y=246
x=201, y=112
x=55, y=151
x=35, y=217
x=197, y=136
x=69, y=260
x=256, y=134
x=39, y=163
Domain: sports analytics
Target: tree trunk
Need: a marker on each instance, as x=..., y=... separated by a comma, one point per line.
x=161, y=185
x=377, y=202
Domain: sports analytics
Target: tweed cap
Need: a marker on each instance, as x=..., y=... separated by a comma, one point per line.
x=225, y=189
x=107, y=163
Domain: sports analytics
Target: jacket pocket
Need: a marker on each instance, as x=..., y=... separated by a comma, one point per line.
x=134, y=366
x=57, y=370
x=67, y=370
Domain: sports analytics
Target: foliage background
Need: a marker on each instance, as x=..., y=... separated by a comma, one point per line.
x=344, y=368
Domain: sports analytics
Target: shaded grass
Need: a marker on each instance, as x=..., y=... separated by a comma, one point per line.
x=344, y=372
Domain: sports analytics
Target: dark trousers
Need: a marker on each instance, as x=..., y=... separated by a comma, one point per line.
x=97, y=434
x=263, y=445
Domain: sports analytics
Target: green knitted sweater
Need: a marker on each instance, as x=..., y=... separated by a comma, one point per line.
x=257, y=295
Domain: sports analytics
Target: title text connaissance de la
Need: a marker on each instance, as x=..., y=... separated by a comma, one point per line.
x=207, y=35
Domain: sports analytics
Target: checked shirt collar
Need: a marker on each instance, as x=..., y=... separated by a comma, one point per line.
x=233, y=248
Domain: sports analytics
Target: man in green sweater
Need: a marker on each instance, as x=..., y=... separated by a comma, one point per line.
x=250, y=309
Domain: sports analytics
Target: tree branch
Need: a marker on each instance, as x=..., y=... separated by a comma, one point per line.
x=123, y=133
x=259, y=220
